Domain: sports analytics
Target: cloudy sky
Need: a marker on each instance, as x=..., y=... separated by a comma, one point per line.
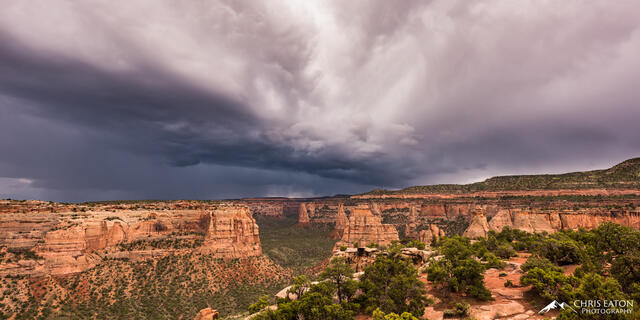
x=217, y=99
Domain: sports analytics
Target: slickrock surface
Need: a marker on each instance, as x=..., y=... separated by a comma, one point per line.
x=364, y=227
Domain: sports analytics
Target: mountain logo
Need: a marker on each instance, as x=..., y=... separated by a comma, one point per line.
x=554, y=305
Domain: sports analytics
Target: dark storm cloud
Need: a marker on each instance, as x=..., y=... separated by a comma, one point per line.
x=241, y=98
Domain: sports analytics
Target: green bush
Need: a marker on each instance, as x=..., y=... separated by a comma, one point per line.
x=391, y=284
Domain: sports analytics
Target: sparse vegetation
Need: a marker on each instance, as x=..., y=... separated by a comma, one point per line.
x=291, y=247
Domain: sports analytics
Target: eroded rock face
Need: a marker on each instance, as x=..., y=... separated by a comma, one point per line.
x=375, y=208
x=478, y=227
x=428, y=235
x=341, y=222
x=364, y=227
x=411, y=228
x=232, y=233
x=69, y=242
x=303, y=216
x=433, y=210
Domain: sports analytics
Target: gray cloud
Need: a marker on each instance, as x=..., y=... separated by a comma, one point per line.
x=239, y=98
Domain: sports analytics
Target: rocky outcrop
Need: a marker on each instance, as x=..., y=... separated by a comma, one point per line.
x=433, y=210
x=303, y=216
x=411, y=228
x=478, y=227
x=364, y=227
x=61, y=243
x=232, y=233
x=432, y=233
x=375, y=208
x=207, y=314
x=526, y=221
x=341, y=222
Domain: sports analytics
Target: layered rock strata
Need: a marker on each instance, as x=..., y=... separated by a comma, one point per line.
x=548, y=221
x=364, y=228
x=478, y=227
x=303, y=216
x=232, y=233
x=70, y=242
x=432, y=233
x=341, y=222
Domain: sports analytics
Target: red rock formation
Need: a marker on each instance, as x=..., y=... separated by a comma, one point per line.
x=232, y=233
x=433, y=210
x=303, y=216
x=207, y=314
x=526, y=221
x=428, y=235
x=478, y=227
x=411, y=228
x=364, y=227
x=341, y=222
x=375, y=208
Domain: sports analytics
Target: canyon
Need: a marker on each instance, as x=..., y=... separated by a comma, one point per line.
x=71, y=238
x=50, y=241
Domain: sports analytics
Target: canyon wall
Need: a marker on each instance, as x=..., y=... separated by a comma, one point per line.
x=549, y=221
x=40, y=243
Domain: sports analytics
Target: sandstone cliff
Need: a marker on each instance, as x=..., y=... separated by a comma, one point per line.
x=478, y=227
x=232, y=233
x=341, y=222
x=303, y=216
x=364, y=227
x=412, y=227
x=428, y=235
x=70, y=242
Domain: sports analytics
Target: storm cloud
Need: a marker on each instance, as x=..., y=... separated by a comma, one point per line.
x=219, y=99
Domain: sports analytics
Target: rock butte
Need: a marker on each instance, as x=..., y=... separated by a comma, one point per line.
x=478, y=226
x=341, y=222
x=432, y=233
x=232, y=233
x=364, y=227
x=303, y=215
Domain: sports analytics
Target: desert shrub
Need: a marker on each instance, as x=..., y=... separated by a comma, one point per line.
x=380, y=315
x=391, y=284
x=458, y=271
x=262, y=303
x=340, y=274
x=460, y=310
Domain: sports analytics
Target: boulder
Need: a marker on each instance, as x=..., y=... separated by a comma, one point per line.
x=207, y=314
